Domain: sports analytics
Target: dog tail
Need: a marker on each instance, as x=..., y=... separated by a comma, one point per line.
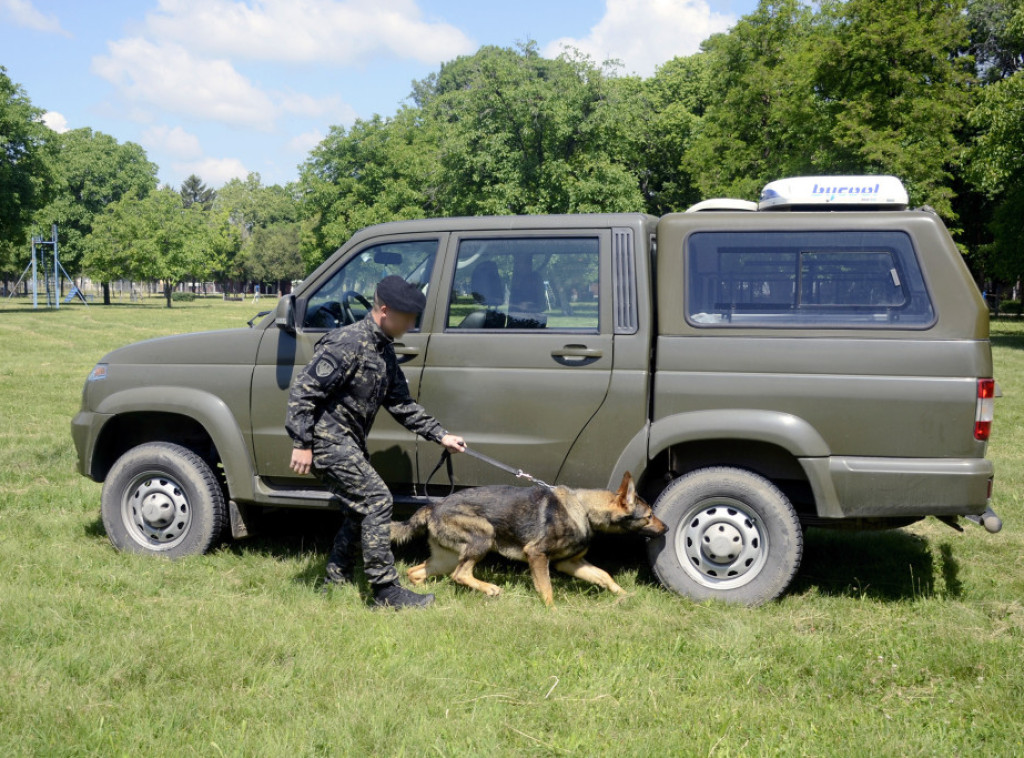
x=403, y=531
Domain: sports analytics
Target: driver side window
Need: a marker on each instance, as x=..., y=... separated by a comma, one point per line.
x=347, y=296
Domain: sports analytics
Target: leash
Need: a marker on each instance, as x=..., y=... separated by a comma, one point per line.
x=446, y=461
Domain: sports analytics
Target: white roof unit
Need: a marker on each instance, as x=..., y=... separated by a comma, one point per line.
x=834, y=192
x=722, y=204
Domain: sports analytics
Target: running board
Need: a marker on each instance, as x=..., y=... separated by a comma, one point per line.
x=312, y=497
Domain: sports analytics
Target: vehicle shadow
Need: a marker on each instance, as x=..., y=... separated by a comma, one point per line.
x=890, y=565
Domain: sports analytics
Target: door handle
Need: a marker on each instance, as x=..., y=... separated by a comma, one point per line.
x=576, y=355
x=405, y=353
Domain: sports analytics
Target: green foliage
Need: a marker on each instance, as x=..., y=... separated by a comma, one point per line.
x=152, y=238
x=523, y=134
x=25, y=178
x=996, y=166
x=930, y=92
x=894, y=92
x=379, y=170
x=274, y=253
x=91, y=170
x=997, y=36
x=861, y=86
x=255, y=214
x=183, y=297
x=194, y=191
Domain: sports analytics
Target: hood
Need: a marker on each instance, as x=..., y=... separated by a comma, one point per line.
x=222, y=347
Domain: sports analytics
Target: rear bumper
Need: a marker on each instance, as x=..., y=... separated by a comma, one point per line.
x=85, y=430
x=848, y=487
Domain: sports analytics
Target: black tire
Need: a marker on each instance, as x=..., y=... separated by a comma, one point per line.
x=163, y=499
x=732, y=536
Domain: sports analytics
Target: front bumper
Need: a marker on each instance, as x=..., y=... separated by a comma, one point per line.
x=85, y=431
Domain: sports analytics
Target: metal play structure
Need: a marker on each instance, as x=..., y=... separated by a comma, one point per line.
x=50, y=270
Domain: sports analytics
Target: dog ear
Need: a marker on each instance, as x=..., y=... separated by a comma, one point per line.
x=627, y=490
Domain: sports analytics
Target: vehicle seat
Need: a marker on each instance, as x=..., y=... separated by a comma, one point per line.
x=527, y=303
x=486, y=286
x=488, y=290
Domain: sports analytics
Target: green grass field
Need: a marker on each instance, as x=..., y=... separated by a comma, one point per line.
x=901, y=643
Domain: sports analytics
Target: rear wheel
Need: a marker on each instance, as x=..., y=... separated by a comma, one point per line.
x=733, y=536
x=163, y=499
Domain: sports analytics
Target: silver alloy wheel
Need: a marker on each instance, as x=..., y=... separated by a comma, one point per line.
x=155, y=511
x=724, y=545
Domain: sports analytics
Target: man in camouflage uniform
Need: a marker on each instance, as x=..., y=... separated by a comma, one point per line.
x=333, y=403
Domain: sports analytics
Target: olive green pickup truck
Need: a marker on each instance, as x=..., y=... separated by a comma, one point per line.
x=820, y=358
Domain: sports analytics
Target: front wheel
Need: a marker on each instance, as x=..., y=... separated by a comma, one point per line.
x=732, y=536
x=162, y=499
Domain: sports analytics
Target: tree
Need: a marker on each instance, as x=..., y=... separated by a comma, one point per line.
x=153, y=237
x=523, y=134
x=379, y=170
x=997, y=37
x=25, y=178
x=92, y=170
x=275, y=255
x=194, y=192
x=675, y=100
x=756, y=120
x=894, y=90
x=249, y=207
x=996, y=166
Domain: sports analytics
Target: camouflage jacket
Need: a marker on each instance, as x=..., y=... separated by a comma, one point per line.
x=353, y=372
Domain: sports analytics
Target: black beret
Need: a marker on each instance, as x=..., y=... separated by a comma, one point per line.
x=401, y=295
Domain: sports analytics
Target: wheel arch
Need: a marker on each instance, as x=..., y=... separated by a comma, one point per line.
x=199, y=421
x=768, y=443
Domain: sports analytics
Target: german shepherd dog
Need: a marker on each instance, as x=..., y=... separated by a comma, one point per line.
x=538, y=525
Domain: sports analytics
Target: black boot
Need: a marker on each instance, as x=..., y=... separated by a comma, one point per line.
x=339, y=572
x=395, y=595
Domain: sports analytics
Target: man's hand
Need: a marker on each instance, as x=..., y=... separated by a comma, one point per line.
x=453, y=443
x=301, y=460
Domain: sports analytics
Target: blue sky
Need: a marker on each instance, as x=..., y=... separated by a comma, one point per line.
x=224, y=87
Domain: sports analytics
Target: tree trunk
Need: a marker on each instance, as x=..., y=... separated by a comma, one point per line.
x=167, y=293
x=106, y=293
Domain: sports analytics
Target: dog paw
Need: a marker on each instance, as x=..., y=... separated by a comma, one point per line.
x=621, y=597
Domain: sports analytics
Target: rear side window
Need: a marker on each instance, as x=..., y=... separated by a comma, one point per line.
x=550, y=283
x=805, y=279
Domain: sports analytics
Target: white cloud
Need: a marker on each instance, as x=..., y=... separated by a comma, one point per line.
x=176, y=142
x=643, y=34
x=56, y=121
x=303, y=143
x=332, y=107
x=309, y=31
x=215, y=172
x=25, y=14
x=169, y=77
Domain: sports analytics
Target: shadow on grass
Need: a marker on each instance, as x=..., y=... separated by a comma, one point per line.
x=290, y=534
x=890, y=566
x=1010, y=341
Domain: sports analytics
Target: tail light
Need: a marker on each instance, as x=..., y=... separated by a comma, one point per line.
x=986, y=407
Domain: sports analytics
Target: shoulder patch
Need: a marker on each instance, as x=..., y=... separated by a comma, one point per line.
x=325, y=367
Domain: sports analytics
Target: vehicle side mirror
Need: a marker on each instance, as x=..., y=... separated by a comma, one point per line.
x=284, y=316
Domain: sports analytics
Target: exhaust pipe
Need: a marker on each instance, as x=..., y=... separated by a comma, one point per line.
x=988, y=519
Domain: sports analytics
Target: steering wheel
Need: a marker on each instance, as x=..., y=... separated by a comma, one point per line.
x=346, y=305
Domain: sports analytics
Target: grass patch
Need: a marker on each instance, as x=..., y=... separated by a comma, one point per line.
x=901, y=643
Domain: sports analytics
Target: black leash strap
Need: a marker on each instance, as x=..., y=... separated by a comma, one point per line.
x=446, y=460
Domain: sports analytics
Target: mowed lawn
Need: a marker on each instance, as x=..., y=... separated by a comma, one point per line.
x=903, y=643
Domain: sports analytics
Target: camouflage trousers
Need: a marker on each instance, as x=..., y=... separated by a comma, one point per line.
x=366, y=506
